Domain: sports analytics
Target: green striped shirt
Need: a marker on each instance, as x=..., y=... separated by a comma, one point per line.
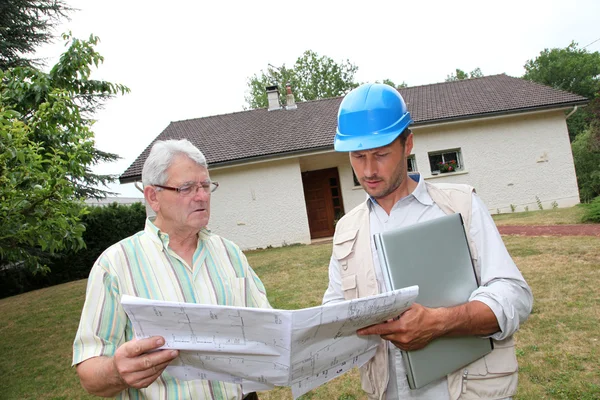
x=143, y=265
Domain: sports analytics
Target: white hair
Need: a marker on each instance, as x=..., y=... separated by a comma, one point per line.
x=161, y=156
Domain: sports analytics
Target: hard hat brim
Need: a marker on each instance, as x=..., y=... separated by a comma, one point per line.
x=353, y=143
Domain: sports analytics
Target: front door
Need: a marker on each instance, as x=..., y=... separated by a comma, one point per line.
x=323, y=197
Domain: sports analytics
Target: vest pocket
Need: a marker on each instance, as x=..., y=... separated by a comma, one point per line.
x=493, y=376
x=343, y=243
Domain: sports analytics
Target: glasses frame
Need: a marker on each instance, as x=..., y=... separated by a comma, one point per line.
x=213, y=187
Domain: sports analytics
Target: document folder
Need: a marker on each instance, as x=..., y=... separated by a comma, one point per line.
x=434, y=255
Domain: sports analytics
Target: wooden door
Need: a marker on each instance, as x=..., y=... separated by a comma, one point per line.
x=323, y=197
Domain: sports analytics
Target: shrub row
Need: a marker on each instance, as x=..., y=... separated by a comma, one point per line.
x=592, y=211
x=104, y=227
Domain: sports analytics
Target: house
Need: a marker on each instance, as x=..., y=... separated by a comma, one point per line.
x=281, y=182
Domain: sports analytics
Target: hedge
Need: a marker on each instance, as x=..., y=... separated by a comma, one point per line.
x=104, y=227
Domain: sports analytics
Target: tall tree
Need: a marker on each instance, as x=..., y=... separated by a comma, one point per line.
x=24, y=25
x=27, y=89
x=586, y=155
x=459, y=75
x=46, y=151
x=572, y=69
x=312, y=77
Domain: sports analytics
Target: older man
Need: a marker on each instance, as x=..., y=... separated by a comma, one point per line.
x=175, y=258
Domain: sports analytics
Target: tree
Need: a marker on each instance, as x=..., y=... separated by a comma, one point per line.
x=46, y=151
x=27, y=89
x=459, y=75
x=24, y=25
x=586, y=155
x=39, y=213
x=572, y=69
x=312, y=77
x=392, y=84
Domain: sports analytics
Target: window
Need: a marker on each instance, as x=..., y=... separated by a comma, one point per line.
x=412, y=163
x=442, y=162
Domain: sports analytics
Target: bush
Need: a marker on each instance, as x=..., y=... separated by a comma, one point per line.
x=104, y=227
x=592, y=212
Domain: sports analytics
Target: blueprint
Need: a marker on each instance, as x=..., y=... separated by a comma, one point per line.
x=262, y=348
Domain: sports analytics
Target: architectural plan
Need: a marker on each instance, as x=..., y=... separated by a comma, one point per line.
x=262, y=348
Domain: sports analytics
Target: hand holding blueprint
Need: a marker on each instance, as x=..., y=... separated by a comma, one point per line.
x=261, y=348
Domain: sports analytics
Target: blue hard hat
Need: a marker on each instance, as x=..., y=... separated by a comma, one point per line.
x=370, y=116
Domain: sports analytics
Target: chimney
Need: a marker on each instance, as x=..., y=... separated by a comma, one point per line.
x=290, y=103
x=273, y=98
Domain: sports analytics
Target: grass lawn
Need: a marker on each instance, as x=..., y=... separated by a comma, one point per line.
x=558, y=348
x=559, y=216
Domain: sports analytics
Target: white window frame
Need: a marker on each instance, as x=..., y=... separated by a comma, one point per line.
x=445, y=158
x=412, y=162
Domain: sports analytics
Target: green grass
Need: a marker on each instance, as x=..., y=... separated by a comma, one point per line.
x=558, y=348
x=559, y=216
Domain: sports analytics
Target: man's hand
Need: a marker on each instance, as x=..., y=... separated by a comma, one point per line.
x=137, y=366
x=134, y=364
x=413, y=330
x=419, y=325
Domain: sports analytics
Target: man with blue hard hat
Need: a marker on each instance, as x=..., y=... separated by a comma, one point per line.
x=373, y=123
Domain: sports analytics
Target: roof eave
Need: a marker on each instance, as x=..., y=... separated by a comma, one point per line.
x=241, y=161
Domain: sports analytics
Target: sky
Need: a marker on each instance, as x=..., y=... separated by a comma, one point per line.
x=191, y=59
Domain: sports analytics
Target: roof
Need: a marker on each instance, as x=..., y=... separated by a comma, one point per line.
x=248, y=135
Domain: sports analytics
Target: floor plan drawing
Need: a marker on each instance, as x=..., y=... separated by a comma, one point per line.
x=262, y=348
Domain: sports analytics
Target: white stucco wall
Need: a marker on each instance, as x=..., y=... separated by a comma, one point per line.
x=508, y=160
x=260, y=205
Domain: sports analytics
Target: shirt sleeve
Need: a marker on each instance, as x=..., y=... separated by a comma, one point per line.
x=334, y=291
x=503, y=287
x=103, y=320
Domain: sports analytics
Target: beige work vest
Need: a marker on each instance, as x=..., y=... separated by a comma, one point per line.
x=492, y=377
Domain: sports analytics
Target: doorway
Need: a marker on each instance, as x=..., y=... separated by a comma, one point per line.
x=323, y=196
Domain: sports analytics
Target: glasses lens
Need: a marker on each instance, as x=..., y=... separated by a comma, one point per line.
x=186, y=190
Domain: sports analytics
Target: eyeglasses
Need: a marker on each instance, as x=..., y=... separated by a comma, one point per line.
x=192, y=189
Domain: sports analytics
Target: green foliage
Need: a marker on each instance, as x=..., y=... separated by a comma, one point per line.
x=539, y=203
x=572, y=69
x=68, y=127
x=460, y=75
x=104, y=226
x=513, y=208
x=554, y=205
x=312, y=77
x=392, y=84
x=26, y=24
x=592, y=212
x=47, y=150
x=38, y=206
x=586, y=156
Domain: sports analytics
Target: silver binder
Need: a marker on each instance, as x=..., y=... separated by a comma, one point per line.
x=434, y=255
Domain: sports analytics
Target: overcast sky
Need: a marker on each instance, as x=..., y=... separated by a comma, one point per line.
x=189, y=59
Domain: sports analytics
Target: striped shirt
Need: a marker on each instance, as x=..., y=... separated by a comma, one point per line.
x=143, y=265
